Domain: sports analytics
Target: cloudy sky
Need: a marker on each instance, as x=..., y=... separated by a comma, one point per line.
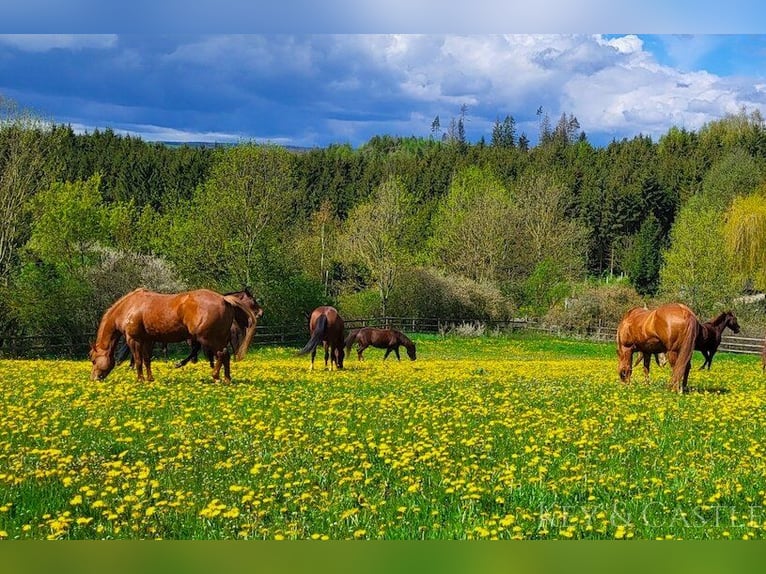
x=318, y=89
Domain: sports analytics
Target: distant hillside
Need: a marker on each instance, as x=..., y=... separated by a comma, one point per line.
x=211, y=145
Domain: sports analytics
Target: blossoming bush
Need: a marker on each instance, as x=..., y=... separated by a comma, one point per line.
x=493, y=437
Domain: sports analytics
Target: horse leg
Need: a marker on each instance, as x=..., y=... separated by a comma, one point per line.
x=195, y=347
x=137, y=350
x=675, y=379
x=327, y=355
x=396, y=352
x=313, y=355
x=647, y=358
x=226, y=360
x=217, y=367
x=148, y=363
x=359, y=350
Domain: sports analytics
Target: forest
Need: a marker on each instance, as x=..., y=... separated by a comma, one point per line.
x=401, y=226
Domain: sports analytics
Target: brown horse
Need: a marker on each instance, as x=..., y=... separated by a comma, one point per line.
x=388, y=339
x=144, y=317
x=326, y=327
x=710, y=336
x=239, y=326
x=671, y=329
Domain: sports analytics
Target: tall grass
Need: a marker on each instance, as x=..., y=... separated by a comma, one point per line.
x=486, y=437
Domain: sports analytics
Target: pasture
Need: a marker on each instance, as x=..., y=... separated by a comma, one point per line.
x=508, y=437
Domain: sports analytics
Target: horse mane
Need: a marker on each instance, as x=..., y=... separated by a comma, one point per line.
x=249, y=331
x=720, y=318
x=406, y=341
x=108, y=313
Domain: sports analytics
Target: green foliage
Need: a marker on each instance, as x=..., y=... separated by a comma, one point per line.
x=644, y=257
x=471, y=235
x=697, y=268
x=47, y=299
x=377, y=234
x=545, y=286
x=26, y=166
x=287, y=296
x=428, y=292
x=360, y=304
x=593, y=305
x=107, y=212
x=736, y=173
x=238, y=213
x=69, y=219
x=745, y=233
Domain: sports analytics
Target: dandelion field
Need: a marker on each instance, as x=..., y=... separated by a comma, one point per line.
x=507, y=437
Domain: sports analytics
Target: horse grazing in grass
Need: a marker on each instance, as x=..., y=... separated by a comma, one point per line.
x=242, y=321
x=671, y=329
x=144, y=317
x=326, y=327
x=710, y=336
x=388, y=339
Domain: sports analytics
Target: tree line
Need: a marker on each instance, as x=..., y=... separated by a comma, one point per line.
x=410, y=226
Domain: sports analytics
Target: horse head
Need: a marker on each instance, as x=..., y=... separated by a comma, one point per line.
x=103, y=362
x=625, y=364
x=731, y=322
x=339, y=354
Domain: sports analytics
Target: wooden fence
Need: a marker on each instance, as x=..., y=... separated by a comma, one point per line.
x=63, y=345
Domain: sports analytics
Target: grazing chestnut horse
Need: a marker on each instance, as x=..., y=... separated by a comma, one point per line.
x=710, y=336
x=144, y=317
x=388, y=339
x=238, y=327
x=671, y=329
x=326, y=327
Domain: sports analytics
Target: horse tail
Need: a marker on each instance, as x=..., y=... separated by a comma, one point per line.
x=249, y=329
x=686, y=348
x=351, y=339
x=317, y=336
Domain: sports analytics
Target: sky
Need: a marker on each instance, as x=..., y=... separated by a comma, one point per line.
x=316, y=89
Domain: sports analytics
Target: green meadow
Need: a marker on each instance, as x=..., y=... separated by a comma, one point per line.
x=494, y=437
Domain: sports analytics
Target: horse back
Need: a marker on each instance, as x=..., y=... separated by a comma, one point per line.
x=334, y=325
x=176, y=317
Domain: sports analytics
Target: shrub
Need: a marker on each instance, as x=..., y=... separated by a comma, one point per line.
x=426, y=292
x=360, y=305
x=594, y=305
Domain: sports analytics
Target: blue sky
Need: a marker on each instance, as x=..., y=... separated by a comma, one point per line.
x=319, y=89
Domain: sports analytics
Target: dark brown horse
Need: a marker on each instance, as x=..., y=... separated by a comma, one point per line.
x=239, y=326
x=671, y=329
x=326, y=327
x=388, y=339
x=710, y=335
x=144, y=317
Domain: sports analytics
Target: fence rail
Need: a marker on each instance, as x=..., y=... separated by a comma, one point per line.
x=78, y=346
